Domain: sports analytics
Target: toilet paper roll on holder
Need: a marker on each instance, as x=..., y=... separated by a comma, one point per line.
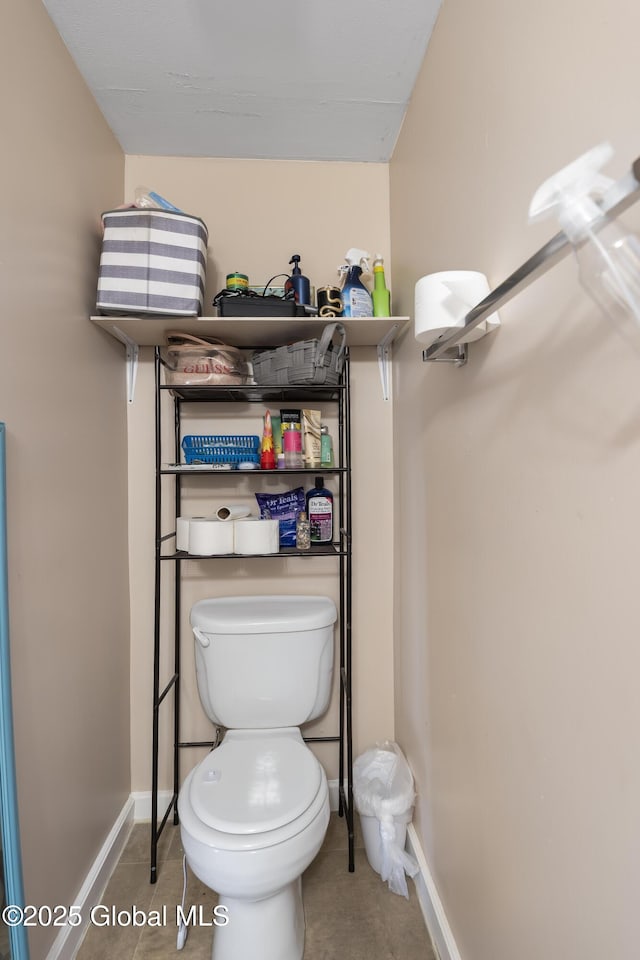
x=443, y=302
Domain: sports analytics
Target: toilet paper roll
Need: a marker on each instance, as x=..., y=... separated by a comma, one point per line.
x=253, y=536
x=208, y=538
x=182, y=532
x=442, y=300
x=234, y=511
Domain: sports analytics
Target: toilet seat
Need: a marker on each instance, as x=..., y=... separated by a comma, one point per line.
x=253, y=828
x=250, y=786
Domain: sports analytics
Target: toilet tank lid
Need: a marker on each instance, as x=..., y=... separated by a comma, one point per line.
x=263, y=614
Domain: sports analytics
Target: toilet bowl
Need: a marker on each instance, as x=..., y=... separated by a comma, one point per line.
x=253, y=816
x=254, y=812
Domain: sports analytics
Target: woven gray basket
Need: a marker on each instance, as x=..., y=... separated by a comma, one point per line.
x=306, y=361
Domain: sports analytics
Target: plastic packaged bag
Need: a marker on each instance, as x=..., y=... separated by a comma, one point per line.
x=284, y=507
x=196, y=362
x=384, y=795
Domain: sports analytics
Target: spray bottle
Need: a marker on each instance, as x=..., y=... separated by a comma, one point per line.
x=298, y=282
x=608, y=255
x=380, y=296
x=356, y=299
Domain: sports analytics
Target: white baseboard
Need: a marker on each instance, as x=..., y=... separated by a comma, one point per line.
x=430, y=903
x=66, y=944
x=142, y=801
x=142, y=804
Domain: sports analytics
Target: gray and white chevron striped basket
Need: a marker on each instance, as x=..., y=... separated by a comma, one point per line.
x=152, y=261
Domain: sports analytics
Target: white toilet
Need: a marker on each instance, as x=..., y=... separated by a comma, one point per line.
x=254, y=812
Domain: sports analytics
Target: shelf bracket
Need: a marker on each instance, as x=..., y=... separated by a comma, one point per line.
x=384, y=360
x=133, y=353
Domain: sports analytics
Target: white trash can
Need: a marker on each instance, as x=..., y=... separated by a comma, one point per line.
x=372, y=829
x=384, y=796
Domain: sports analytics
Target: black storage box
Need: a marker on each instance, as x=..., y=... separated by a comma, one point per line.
x=259, y=307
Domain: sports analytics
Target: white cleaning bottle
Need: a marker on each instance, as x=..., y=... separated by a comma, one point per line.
x=608, y=254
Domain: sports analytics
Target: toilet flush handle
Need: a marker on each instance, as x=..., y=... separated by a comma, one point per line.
x=201, y=637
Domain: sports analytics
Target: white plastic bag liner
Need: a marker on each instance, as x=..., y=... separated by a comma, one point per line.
x=384, y=796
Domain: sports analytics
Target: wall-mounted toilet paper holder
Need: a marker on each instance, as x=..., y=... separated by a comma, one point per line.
x=618, y=198
x=442, y=302
x=457, y=354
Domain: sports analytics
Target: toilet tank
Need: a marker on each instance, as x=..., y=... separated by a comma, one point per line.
x=264, y=661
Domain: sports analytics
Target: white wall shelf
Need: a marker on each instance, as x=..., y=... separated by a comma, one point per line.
x=136, y=332
x=250, y=331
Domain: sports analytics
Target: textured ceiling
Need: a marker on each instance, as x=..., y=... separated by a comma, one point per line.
x=306, y=80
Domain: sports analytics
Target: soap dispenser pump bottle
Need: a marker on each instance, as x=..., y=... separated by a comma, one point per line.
x=608, y=254
x=298, y=283
x=356, y=299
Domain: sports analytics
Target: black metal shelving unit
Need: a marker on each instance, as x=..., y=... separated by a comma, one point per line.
x=167, y=692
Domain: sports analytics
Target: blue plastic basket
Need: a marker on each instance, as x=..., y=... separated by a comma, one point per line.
x=221, y=449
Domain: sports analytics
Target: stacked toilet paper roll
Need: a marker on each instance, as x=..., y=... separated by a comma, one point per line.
x=182, y=532
x=225, y=513
x=234, y=511
x=210, y=537
x=442, y=301
x=255, y=536
x=236, y=531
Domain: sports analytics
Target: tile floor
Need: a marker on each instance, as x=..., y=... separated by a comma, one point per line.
x=349, y=916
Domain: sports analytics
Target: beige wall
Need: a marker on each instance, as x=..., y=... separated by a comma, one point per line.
x=517, y=608
x=62, y=398
x=258, y=214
